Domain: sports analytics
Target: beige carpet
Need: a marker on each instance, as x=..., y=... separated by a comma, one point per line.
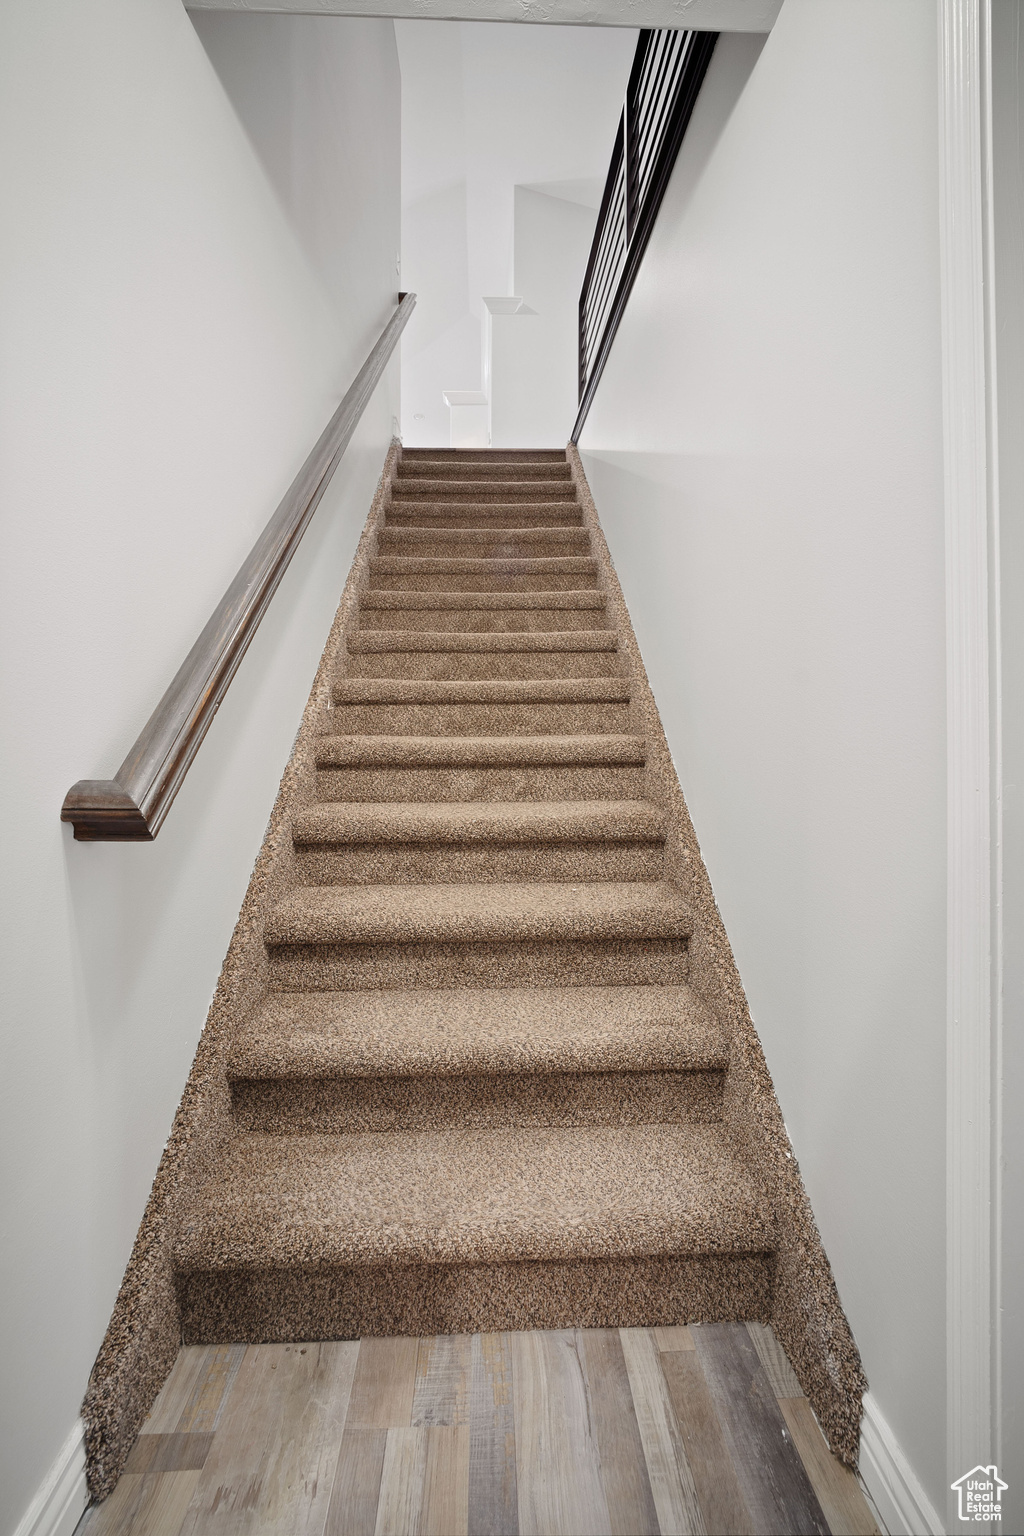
x=491, y=1067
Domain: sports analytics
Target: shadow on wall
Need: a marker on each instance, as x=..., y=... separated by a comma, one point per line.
x=442, y=333
x=442, y=303
x=534, y=354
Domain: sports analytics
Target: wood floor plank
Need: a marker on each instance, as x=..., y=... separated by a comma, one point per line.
x=204, y=1410
x=402, y=1483
x=672, y=1338
x=565, y=1433
x=839, y=1493
x=185, y=1381
x=672, y=1487
x=273, y=1460
x=775, y=1487
x=773, y=1357
x=143, y=1504
x=192, y=1398
x=558, y=1467
x=443, y=1370
x=718, y=1489
x=356, y=1491
x=493, y=1496
x=384, y=1384
x=169, y=1453
x=445, y=1508
x=624, y=1476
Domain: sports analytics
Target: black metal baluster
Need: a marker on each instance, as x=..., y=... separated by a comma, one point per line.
x=665, y=78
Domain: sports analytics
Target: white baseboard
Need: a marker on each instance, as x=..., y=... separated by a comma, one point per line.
x=61, y=1499
x=902, y=1504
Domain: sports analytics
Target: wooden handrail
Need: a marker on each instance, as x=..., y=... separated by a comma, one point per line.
x=131, y=806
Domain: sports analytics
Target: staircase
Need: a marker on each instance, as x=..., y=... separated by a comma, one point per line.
x=478, y=1092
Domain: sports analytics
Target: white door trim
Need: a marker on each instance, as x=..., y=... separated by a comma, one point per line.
x=968, y=420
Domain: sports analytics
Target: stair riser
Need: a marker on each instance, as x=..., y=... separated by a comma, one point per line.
x=535, y=514
x=424, y=863
x=475, y=666
x=337, y=1106
x=482, y=581
x=507, y=491
x=424, y=469
x=482, y=621
x=488, y=529
x=397, y=785
x=484, y=469
x=515, y=456
x=281, y=1305
x=349, y=967
x=478, y=719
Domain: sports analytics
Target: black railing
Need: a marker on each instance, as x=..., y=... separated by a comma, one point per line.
x=664, y=82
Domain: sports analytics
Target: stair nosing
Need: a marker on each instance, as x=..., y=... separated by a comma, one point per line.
x=369, y=751
x=460, y=823
x=481, y=641
x=498, y=912
x=530, y=533
x=440, y=483
x=458, y=1196
x=485, y=690
x=468, y=565
x=478, y=1032
x=437, y=506
x=380, y=598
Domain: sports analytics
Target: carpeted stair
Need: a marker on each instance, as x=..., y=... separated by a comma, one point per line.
x=479, y=1057
x=478, y=1092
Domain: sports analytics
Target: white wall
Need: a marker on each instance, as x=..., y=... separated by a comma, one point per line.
x=765, y=453
x=317, y=98
x=487, y=107
x=172, y=346
x=534, y=367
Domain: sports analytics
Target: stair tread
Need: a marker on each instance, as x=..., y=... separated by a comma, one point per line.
x=540, y=911
x=473, y=1030
x=585, y=597
x=475, y=1196
x=370, y=640
x=486, y=690
x=480, y=821
x=476, y=751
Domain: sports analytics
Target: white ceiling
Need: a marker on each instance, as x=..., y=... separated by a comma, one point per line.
x=705, y=15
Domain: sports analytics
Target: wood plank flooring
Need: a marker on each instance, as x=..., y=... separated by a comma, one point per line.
x=576, y=1432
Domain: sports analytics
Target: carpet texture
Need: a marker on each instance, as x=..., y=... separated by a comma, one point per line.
x=479, y=1058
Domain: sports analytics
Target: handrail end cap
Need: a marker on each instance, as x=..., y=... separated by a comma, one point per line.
x=101, y=810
